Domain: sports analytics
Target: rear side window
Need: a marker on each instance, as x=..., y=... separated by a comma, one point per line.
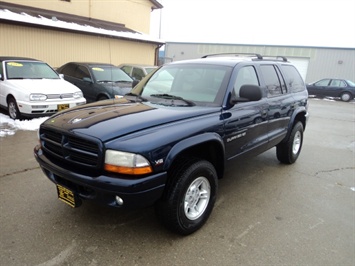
x=137, y=73
x=338, y=83
x=272, y=80
x=127, y=69
x=68, y=70
x=293, y=78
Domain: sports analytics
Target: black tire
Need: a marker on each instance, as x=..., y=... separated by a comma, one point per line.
x=189, y=197
x=287, y=152
x=346, y=96
x=12, y=108
x=102, y=97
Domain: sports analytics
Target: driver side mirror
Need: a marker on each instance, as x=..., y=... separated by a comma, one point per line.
x=248, y=93
x=87, y=79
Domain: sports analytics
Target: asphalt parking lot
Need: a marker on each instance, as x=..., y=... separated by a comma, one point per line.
x=266, y=213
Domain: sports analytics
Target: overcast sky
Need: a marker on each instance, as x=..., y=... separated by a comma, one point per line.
x=325, y=23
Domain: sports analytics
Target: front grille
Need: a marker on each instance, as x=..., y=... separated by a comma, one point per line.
x=60, y=96
x=72, y=150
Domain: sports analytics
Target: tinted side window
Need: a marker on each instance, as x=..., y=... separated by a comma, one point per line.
x=127, y=69
x=282, y=81
x=68, y=70
x=293, y=78
x=337, y=83
x=246, y=75
x=137, y=73
x=271, y=79
x=82, y=72
x=323, y=82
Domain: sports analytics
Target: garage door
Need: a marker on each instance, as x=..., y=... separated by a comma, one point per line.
x=301, y=64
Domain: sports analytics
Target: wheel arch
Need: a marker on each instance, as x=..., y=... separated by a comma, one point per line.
x=8, y=97
x=208, y=146
x=299, y=116
x=102, y=94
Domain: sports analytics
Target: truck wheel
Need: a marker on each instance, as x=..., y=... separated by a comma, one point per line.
x=12, y=108
x=189, y=197
x=288, y=151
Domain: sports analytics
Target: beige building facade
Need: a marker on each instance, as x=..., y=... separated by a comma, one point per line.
x=58, y=32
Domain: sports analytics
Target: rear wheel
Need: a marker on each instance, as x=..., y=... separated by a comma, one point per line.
x=288, y=151
x=12, y=108
x=345, y=96
x=189, y=197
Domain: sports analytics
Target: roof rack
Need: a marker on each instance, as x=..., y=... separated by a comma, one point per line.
x=283, y=58
x=235, y=54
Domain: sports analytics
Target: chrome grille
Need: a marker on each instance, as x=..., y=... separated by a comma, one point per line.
x=60, y=96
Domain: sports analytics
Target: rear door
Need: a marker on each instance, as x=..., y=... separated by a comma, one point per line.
x=280, y=102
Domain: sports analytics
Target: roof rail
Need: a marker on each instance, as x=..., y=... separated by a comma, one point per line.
x=283, y=58
x=235, y=54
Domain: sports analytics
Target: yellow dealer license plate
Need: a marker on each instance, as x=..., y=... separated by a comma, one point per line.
x=67, y=196
x=63, y=106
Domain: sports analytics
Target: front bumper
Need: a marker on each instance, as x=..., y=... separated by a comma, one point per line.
x=38, y=109
x=103, y=189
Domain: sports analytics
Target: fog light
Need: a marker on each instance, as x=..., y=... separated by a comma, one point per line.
x=119, y=201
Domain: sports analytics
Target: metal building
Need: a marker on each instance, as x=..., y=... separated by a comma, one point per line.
x=314, y=63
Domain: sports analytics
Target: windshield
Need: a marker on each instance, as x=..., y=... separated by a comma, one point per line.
x=29, y=70
x=197, y=83
x=110, y=74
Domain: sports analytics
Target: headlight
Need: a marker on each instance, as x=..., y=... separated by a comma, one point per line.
x=78, y=95
x=126, y=163
x=38, y=97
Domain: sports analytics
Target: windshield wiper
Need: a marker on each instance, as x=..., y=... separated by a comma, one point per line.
x=172, y=97
x=105, y=81
x=126, y=81
x=137, y=96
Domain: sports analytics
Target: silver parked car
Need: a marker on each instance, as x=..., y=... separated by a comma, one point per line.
x=137, y=72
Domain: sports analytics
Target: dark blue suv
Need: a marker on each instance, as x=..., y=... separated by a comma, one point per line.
x=169, y=140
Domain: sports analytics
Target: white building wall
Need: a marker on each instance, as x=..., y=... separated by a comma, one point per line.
x=313, y=62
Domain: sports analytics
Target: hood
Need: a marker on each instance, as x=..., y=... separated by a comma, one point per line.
x=45, y=86
x=110, y=119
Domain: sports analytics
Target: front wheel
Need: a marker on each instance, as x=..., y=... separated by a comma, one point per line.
x=189, y=197
x=288, y=151
x=102, y=98
x=12, y=108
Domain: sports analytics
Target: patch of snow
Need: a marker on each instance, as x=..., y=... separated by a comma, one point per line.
x=55, y=23
x=9, y=126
